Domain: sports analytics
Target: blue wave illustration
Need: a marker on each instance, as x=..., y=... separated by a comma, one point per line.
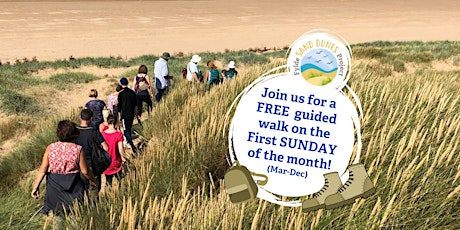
x=311, y=66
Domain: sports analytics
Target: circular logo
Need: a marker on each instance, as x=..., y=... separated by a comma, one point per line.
x=321, y=58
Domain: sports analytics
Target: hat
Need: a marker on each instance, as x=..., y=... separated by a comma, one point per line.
x=231, y=65
x=196, y=58
x=124, y=81
x=165, y=55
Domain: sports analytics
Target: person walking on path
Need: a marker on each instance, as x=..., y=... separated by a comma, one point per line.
x=231, y=72
x=104, y=125
x=143, y=90
x=62, y=163
x=127, y=108
x=193, y=72
x=87, y=138
x=114, y=139
x=112, y=102
x=212, y=75
x=162, y=77
x=96, y=106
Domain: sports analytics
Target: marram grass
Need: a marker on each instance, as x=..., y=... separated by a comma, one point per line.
x=410, y=149
x=410, y=132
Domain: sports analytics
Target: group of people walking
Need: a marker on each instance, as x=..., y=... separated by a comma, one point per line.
x=212, y=76
x=67, y=164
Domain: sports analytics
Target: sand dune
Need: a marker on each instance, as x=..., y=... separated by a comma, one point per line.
x=58, y=29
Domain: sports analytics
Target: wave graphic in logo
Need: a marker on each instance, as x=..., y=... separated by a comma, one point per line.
x=319, y=66
x=309, y=66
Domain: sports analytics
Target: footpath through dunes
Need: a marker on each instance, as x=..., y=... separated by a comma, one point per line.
x=56, y=101
x=78, y=94
x=56, y=88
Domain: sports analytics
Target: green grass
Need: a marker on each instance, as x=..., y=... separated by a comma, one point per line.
x=327, y=81
x=11, y=79
x=27, y=156
x=399, y=66
x=15, y=103
x=17, y=79
x=14, y=125
x=67, y=80
x=19, y=211
x=408, y=52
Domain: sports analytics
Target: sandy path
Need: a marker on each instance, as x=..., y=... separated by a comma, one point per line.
x=56, y=30
x=78, y=95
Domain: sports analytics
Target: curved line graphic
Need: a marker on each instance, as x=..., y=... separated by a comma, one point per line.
x=311, y=66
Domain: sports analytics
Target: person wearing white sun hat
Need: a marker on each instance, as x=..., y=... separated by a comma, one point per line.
x=231, y=65
x=193, y=72
x=231, y=72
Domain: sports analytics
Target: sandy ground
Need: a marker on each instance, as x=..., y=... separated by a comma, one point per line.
x=58, y=29
x=65, y=101
x=78, y=95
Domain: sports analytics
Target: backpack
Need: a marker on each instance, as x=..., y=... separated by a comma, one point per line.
x=239, y=183
x=230, y=73
x=214, y=76
x=199, y=74
x=100, y=159
x=142, y=84
x=184, y=73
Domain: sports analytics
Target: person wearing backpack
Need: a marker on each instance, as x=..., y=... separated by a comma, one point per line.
x=231, y=72
x=193, y=72
x=212, y=74
x=162, y=77
x=141, y=86
x=88, y=136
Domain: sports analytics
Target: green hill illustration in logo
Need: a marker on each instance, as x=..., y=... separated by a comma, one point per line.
x=319, y=66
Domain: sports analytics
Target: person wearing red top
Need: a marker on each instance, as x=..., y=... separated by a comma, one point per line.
x=114, y=139
x=62, y=163
x=104, y=125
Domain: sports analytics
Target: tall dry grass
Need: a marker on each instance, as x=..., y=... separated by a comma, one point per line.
x=410, y=149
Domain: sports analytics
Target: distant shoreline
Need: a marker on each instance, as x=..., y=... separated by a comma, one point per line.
x=55, y=30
